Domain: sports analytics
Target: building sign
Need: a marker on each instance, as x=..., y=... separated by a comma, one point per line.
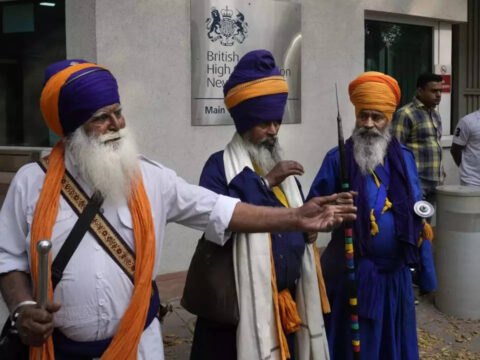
x=446, y=86
x=445, y=72
x=223, y=31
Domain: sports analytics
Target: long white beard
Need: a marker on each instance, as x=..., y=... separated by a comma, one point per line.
x=110, y=167
x=265, y=157
x=370, y=147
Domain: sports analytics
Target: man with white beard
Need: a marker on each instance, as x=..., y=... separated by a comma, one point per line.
x=111, y=207
x=269, y=269
x=386, y=235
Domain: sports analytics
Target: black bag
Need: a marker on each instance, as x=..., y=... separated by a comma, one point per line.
x=11, y=347
x=209, y=289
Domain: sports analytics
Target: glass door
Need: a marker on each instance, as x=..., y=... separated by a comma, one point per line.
x=402, y=51
x=32, y=36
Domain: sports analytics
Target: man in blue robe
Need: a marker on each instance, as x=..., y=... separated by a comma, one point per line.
x=251, y=168
x=385, y=234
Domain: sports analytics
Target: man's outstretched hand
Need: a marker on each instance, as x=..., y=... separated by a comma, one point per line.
x=318, y=214
x=327, y=212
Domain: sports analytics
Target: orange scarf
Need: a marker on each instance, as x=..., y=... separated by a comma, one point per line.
x=125, y=342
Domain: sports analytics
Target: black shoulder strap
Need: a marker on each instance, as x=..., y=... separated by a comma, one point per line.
x=74, y=238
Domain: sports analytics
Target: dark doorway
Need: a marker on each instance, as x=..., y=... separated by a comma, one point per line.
x=399, y=50
x=32, y=36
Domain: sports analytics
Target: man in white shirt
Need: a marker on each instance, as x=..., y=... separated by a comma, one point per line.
x=104, y=304
x=465, y=148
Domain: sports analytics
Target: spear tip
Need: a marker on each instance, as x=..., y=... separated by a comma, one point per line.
x=338, y=106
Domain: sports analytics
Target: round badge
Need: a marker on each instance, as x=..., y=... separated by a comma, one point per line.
x=423, y=209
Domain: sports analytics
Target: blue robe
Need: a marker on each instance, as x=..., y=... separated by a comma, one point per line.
x=218, y=341
x=385, y=296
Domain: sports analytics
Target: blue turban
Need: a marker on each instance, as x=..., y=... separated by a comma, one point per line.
x=255, y=92
x=74, y=90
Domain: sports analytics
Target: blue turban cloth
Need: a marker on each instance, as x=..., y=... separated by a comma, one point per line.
x=252, y=66
x=83, y=93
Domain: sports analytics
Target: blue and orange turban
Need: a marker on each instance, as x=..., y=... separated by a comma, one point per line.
x=374, y=90
x=255, y=91
x=74, y=90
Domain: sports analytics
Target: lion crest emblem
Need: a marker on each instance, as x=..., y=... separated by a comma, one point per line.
x=221, y=25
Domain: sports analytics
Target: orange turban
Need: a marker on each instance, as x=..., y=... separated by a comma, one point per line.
x=373, y=90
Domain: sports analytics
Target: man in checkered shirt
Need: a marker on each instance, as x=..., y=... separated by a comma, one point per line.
x=418, y=126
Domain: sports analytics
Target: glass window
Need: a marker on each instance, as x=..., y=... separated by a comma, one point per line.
x=399, y=50
x=32, y=36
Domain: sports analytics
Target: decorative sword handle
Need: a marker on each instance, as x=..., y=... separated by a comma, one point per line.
x=43, y=249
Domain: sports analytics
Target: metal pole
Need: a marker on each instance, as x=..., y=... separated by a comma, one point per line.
x=43, y=248
x=349, y=244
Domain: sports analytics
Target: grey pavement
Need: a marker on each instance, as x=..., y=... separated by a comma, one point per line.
x=440, y=337
x=177, y=329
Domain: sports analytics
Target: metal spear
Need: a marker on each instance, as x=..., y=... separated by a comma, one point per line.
x=349, y=246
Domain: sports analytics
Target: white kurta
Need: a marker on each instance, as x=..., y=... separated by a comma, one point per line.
x=94, y=291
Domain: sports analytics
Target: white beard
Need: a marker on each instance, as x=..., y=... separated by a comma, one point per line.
x=110, y=167
x=370, y=147
x=265, y=157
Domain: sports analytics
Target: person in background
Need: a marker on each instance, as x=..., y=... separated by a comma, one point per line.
x=418, y=126
x=465, y=148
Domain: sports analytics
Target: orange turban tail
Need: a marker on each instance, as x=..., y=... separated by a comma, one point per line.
x=375, y=91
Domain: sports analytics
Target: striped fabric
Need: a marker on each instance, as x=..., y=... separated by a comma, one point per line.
x=261, y=87
x=420, y=130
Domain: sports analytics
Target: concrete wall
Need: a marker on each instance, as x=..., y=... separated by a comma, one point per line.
x=147, y=46
x=80, y=29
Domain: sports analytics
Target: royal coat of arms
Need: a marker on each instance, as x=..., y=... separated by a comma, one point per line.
x=225, y=27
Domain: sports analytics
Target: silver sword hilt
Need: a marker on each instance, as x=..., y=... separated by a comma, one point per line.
x=43, y=248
